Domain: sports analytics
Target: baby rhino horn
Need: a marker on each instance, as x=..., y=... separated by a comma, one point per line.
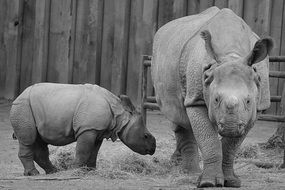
x=127, y=103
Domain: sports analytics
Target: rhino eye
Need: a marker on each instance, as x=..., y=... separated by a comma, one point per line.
x=247, y=102
x=217, y=100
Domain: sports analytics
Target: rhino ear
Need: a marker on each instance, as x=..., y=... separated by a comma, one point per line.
x=261, y=49
x=127, y=104
x=205, y=34
x=208, y=76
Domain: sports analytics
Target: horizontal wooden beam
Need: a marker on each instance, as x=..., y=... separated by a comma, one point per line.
x=275, y=98
x=277, y=74
x=268, y=117
x=151, y=99
x=152, y=106
x=277, y=58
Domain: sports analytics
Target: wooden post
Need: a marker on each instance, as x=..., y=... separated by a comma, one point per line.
x=119, y=66
x=165, y=12
x=281, y=40
x=59, y=41
x=193, y=7
x=221, y=3
x=40, y=60
x=12, y=41
x=143, y=87
x=276, y=33
x=135, y=47
x=87, y=46
x=3, y=55
x=281, y=128
x=150, y=23
x=179, y=8
x=107, y=44
x=27, y=53
x=236, y=6
x=205, y=4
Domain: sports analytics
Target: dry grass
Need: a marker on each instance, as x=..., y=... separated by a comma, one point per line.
x=248, y=151
x=119, y=163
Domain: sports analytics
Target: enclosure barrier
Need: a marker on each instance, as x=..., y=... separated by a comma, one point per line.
x=149, y=102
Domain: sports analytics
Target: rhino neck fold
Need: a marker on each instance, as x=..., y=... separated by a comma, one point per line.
x=120, y=123
x=122, y=134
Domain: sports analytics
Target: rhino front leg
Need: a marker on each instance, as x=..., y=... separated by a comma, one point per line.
x=186, y=149
x=93, y=157
x=41, y=156
x=26, y=156
x=230, y=146
x=210, y=146
x=84, y=148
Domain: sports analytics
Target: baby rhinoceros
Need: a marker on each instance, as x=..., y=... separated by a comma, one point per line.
x=59, y=114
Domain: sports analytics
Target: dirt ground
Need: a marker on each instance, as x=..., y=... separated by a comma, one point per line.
x=120, y=168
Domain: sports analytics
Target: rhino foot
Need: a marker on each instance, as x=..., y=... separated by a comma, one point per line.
x=216, y=181
x=31, y=172
x=192, y=167
x=51, y=170
x=176, y=158
x=187, y=163
x=232, y=181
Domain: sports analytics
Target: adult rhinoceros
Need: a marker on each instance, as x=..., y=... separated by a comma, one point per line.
x=210, y=73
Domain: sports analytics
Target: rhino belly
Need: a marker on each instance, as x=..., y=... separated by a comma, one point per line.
x=56, y=135
x=53, y=107
x=169, y=94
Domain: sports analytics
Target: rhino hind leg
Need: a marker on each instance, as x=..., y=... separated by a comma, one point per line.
x=26, y=156
x=186, y=151
x=23, y=123
x=41, y=156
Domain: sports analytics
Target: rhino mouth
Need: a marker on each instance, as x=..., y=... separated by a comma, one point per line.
x=150, y=152
x=233, y=131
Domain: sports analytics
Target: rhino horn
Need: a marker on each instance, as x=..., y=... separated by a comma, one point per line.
x=206, y=35
x=127, y=103
x=261, y=49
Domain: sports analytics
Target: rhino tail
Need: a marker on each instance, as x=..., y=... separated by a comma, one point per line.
x=22, y=120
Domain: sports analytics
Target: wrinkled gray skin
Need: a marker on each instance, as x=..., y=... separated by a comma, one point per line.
x=59, y=114
x=230, y=89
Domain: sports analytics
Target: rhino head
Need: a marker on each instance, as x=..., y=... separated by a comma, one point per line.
x=135, y=135
x=232, y=88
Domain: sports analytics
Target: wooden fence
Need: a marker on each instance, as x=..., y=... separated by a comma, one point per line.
x=101, y=41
